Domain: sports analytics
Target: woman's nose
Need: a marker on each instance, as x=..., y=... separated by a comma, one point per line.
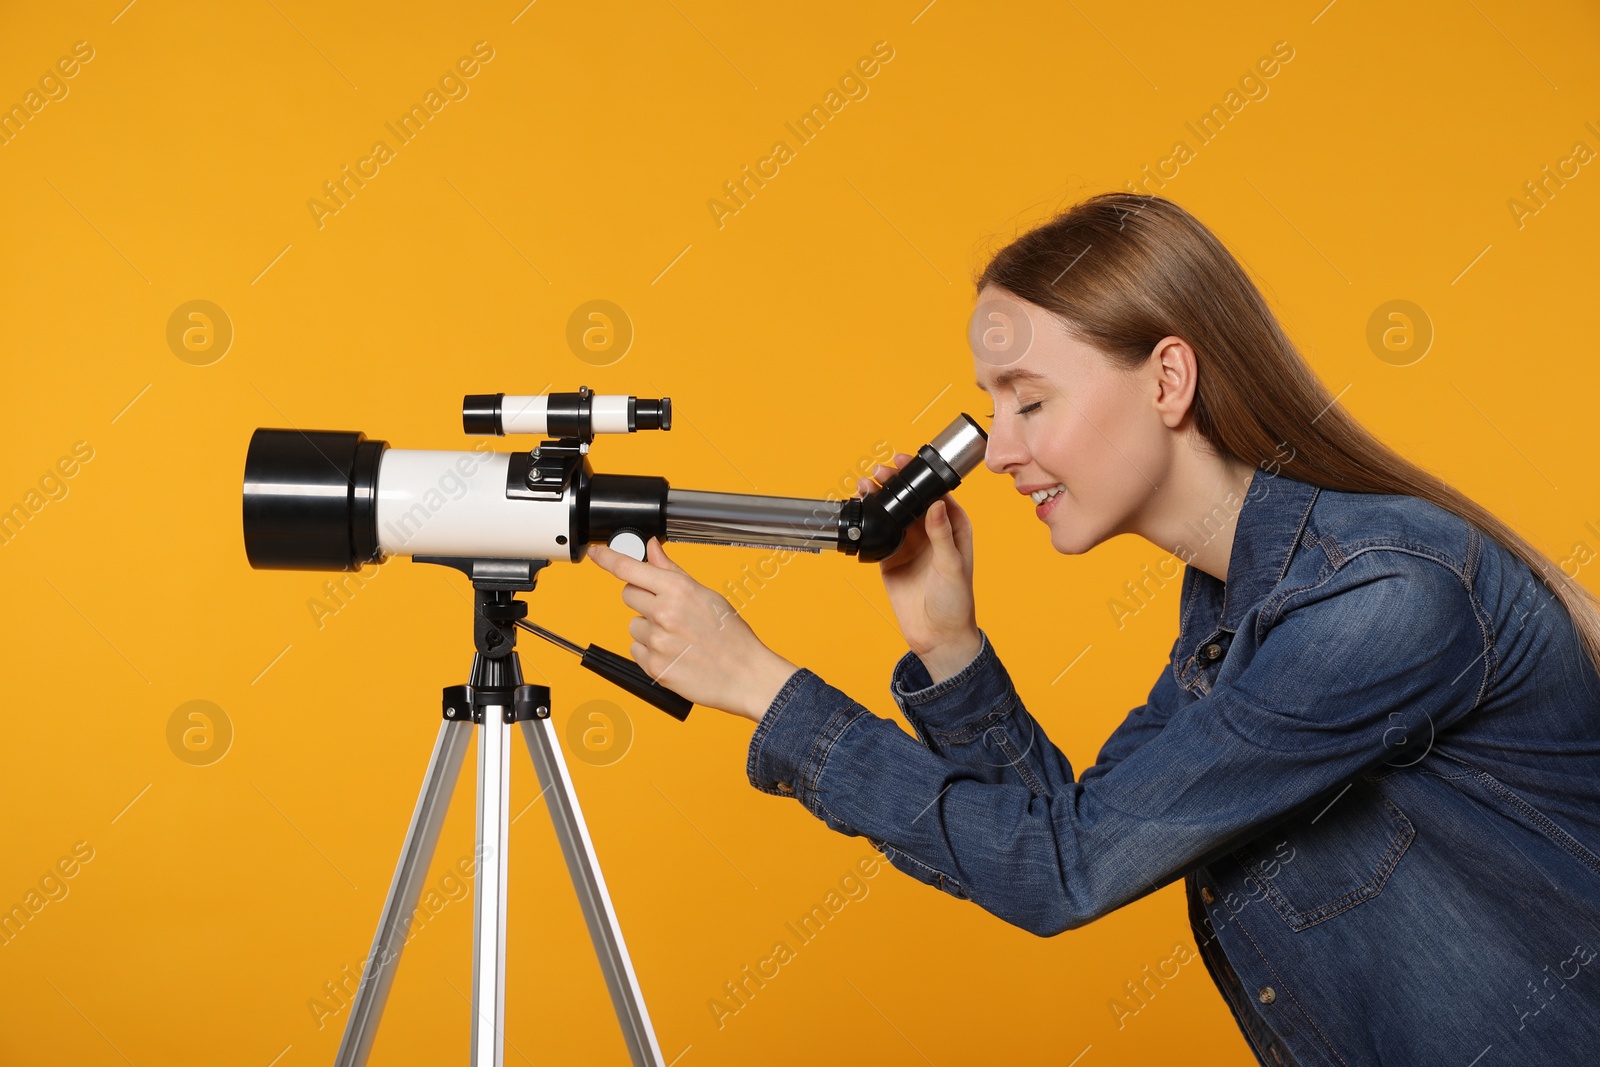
x=1003, y=451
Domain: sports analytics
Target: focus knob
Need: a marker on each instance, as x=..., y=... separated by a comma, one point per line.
x=629, y=543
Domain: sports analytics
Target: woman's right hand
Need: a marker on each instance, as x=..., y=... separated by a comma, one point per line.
x=929, y=581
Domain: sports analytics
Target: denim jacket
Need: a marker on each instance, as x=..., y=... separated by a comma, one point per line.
x=1373, y=758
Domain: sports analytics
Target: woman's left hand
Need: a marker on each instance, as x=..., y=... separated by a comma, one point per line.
x=690, y=639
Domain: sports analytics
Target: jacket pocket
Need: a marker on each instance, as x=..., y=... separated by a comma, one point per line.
x=1328, y=860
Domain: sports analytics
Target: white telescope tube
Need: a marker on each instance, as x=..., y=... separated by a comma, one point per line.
x=455, y=504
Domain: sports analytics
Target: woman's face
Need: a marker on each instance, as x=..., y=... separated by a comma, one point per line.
x=1064, y=415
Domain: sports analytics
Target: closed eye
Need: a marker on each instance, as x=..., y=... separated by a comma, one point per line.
x=1030, y=409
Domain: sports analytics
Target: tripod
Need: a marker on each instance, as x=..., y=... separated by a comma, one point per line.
x=493, y=701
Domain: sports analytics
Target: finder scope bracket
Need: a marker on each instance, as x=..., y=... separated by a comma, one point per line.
x=545, y=472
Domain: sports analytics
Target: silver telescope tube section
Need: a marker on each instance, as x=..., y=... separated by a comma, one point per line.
x=750, y=521
x=870, y=527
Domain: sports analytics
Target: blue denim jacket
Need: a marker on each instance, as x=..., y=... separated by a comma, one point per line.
x=1374, y=759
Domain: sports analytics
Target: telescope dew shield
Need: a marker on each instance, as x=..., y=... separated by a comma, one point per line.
x=310, y=500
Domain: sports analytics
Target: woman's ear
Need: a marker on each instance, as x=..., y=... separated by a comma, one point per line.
x=1173, y=364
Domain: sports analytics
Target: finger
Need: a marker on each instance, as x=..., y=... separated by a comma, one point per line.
x=900, y=460
x=962, y=525
x=629, y=569
x=940, y=531
x=607, y=557
x=641, y=600
x=656, y=553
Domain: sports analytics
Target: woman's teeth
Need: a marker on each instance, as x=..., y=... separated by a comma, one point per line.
x=1040, y=496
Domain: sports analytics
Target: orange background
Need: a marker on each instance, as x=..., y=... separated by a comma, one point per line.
x=826, y=315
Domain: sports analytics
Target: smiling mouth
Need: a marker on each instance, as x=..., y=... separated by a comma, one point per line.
x=1041, y=495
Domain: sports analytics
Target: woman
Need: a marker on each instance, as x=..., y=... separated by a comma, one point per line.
x=1374, y=757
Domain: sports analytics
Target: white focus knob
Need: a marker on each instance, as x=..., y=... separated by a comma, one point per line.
x=628, y=543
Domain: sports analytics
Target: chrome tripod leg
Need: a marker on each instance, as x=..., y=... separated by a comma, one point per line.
x=394, y=925
x=489, y=909
x=590, y=884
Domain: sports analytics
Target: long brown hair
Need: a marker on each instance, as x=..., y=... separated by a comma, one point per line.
x=1124, y=270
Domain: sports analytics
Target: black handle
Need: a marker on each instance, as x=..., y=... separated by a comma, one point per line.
x=622, y=671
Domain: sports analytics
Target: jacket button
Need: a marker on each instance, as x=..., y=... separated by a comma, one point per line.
x=1207, y=895
x=1213, y=650
x=785, y=787
x=1267, y=995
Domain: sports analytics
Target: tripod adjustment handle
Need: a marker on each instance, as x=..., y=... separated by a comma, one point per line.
x=621, y=671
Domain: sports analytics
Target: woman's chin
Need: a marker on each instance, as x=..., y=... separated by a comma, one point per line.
x=1070, y=535
x=1069, y=543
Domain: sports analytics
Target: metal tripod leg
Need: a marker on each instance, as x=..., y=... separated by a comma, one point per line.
x=489, y=909
x=496, y=676
x=394, y=925
x=604, y=930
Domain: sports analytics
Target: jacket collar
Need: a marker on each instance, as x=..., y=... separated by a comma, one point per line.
x=1270, y=522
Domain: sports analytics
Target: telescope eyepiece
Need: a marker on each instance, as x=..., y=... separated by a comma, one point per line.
x=882, y=518
x=653, y=414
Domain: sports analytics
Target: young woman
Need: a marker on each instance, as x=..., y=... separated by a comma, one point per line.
x=1374, y=757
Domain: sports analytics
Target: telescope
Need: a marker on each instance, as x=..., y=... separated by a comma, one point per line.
x=334, y=500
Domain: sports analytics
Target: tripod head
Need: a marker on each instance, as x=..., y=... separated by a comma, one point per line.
x=496, y=616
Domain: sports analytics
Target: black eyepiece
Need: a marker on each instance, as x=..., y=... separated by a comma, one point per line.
x=653, y=414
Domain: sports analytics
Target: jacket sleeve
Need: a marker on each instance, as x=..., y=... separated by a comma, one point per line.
x=1142, y=723
x=975, y=719
x=1389, y=645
